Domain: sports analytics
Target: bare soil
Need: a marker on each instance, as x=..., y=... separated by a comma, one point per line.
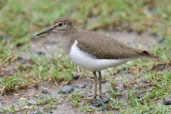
x=60, y=103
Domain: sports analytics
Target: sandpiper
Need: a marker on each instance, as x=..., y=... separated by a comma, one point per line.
x=93, y=51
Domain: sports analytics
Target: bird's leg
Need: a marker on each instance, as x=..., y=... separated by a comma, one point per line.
x=95, y=84
x=100, y=84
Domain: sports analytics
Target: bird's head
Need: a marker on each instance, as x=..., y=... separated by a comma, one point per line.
x=60, y=25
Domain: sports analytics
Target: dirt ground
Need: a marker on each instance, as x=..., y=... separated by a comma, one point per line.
x=84, y=85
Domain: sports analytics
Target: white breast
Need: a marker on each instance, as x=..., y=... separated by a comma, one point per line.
x=91, y=63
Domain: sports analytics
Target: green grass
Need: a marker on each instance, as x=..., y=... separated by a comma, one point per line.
x=20, y=20
x=47, y=103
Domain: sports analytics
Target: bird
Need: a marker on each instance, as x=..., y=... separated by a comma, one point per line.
x=93, y=51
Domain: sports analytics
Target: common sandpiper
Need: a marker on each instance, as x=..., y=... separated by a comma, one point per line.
x=93, y=51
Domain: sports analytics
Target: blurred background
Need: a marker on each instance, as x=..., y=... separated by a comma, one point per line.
x=20, y=19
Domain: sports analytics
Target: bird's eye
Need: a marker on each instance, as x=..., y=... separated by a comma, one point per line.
x=60, y=24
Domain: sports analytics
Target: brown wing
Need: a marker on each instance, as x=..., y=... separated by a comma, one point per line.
x=103, y=47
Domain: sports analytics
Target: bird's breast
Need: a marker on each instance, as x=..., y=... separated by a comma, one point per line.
x=90, y=62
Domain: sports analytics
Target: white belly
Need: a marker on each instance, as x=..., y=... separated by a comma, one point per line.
x=91, y=63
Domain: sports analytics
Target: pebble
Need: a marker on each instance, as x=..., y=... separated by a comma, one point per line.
x=42, y=97
x=5, y=38
x=115, y=88
x=105, y=108
x=104, y=81
x=19, y=45
x=49, y=112
x=3, y=103
x=66, y=89
x=97, y=103
x=76, y=77
x=44, y=91
x=167, y=102
x=105, y=100
x=159, y=67
x=41, y=53
x=75, y=87
x=100, y=102
x=36, y=112
x=11, y=113
x=86, y=86
x=160, y=39
x=20, y=58
x=139, y=96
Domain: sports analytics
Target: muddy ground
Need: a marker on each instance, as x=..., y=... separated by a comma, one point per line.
x=33, y=99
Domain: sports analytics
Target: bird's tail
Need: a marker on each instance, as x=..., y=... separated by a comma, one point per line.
x=146, y=54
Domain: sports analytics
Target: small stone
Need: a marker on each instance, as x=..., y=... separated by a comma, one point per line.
x=84, y=85
x=150, y=10
x=51, y=112
x=44, y=91
x=104, y=81
x=160, y=38
x=90, y=86
x=20, y=58
x=19, y=45
x=11, y=113
x=154, y=33
x=76, y=77
x=42, y=97
x=130, y=30
x=3, y=103
x=75, y=87
x=167, y=102
x=40, y=53
x=5, y=38
x=66, y=89
x=105, y=100
x=159, y=67
x=97, y=103
x=36, y=112
x=139, y=96
x=105, y=108
x=115, y=88
x=15, y=100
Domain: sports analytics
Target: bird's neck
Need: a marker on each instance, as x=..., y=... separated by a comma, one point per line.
x=66, y=39
x=69, y=32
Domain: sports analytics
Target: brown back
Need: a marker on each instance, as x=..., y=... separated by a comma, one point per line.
x=103, y=47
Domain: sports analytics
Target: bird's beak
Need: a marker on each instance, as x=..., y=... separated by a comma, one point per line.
x=45, y=31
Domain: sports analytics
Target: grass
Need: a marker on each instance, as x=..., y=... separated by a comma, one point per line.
x=20, y=20
x=47, y=104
